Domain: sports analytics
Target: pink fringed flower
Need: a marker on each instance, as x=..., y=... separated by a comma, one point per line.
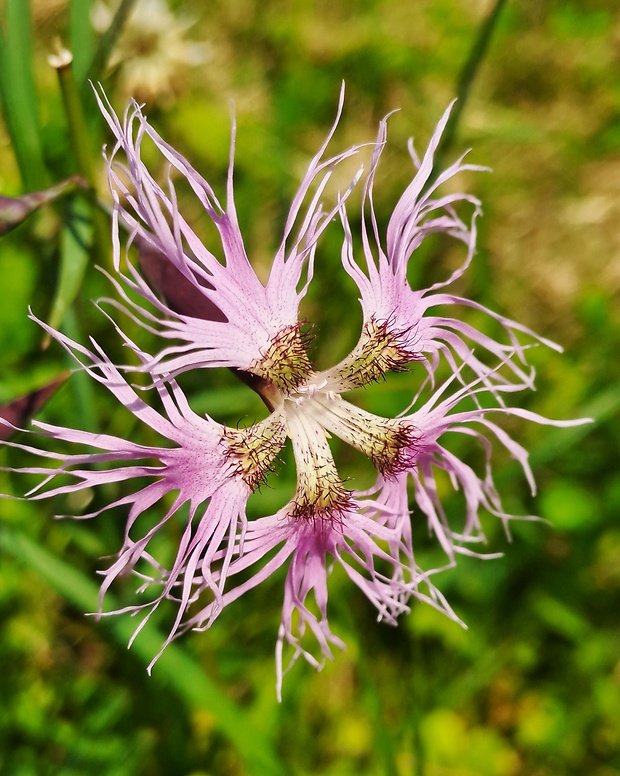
x=395, y=313
x=228, y=318
x=208, y=466
x=248, y=322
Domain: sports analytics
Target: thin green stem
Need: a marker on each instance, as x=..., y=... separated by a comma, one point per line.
x=80, y=142
x=418, y=696
x=81, y=145
x=428, y=254
x=467, y=76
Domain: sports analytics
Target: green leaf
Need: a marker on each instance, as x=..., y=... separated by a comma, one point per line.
x=74, y=243
x=74, y=254
x=18, y=93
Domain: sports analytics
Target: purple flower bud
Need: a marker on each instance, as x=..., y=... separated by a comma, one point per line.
x=14, y=210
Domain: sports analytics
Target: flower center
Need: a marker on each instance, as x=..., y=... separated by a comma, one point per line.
x=307, y=408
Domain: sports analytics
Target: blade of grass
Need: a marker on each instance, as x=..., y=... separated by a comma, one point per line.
x=468, y=75
x=175, y=668
x=430, y=251
x=74, y=242
x=18, y=94
x=82, y=37
x=85, y=414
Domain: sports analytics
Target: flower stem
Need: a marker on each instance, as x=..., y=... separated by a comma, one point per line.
x=80, y=142
x=419, y=750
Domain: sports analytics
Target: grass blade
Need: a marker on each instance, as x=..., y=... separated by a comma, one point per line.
x=18, y=93
x=468, y=75
x=75, y=240
x=82, y=37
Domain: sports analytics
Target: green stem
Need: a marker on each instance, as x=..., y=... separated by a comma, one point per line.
x=417, y=673
x=467, y=76
x=78, y=132
x=429, y=253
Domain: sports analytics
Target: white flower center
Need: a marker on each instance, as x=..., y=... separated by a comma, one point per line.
x=308, y=417
x=308, y=408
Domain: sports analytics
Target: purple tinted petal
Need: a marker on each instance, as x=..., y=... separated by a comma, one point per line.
x=250, y=314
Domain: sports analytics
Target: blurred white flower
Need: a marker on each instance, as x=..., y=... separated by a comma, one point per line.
x=152, y=55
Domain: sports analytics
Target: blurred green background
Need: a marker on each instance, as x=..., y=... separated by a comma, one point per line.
x=533, y=687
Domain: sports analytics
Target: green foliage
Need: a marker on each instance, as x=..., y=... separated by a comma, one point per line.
x=18, y=91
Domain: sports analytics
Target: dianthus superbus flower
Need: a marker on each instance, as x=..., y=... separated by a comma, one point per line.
x=236, y=321
x=257, y=329
x=201, y=466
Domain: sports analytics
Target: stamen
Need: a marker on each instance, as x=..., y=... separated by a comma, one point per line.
x=255, y=449
x=285, y=362
x=381, y=348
